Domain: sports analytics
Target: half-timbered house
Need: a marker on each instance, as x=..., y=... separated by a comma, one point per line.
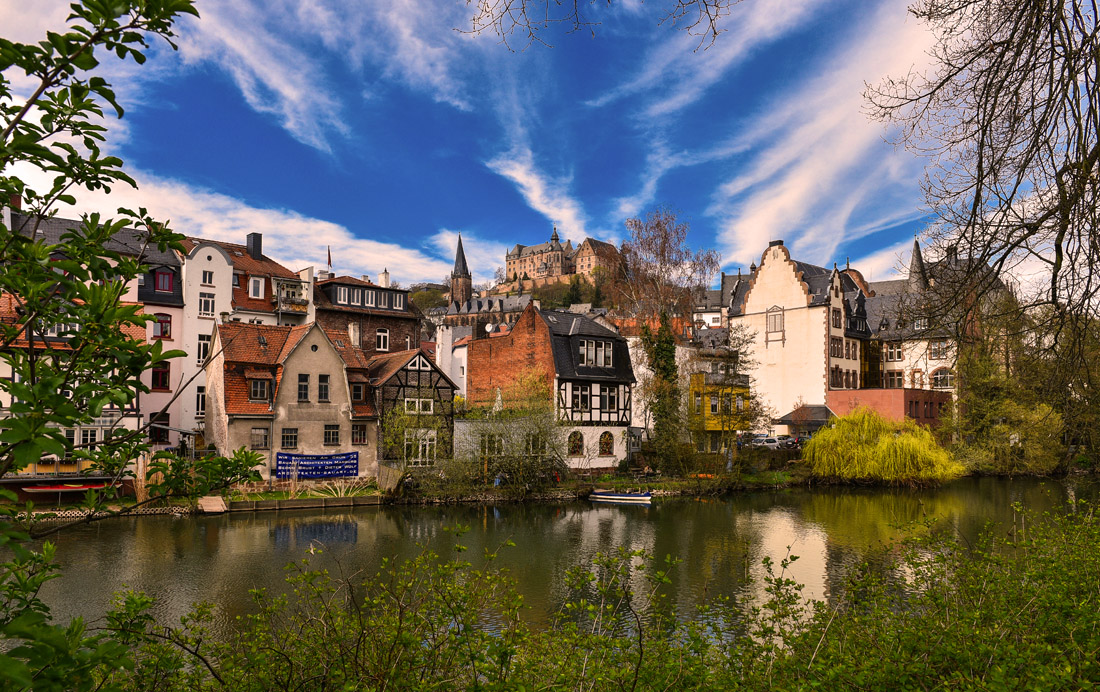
x=415, y=400
x=589, y=370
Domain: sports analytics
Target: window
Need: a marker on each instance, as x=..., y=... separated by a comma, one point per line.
x=698, y=402
x=399, y=301
x=204, y=349
x=491, y=445
x=938, y=350
x=163, y=281
x=419, y=405
x=727, y=403
x=920, y=323
x=837, y=316
x=775, y=319
x=836, y=347
x=715, y=442
x=342, y=295
x=359, y=433
x=206, y=305
x=714, y=404
x=207, y=277
x=322, y=388
x=358, y=391
x=356, y=296
x=894, y=352
x=289, y=438
x=258, y=390
x=260, y=438
x=162, y=328
x=576, y=444
x=303, y=387
x=534, y=445
x=609, y=397
x=581, y=395
x=369, y=298
x=158, y=428
x=256, y=287
x=420, y=447
x=943, y=379
x=607, y=444
x=382, y=340
x=162, y=374
x=596, y=353
x=918, y=379
x=200, y=400
x=332, y=435
x=895, y=379
x=236, y=281
x=740, y=403
x=848, y=350
x=89, y=436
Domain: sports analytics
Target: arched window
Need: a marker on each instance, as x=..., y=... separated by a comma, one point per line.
x=943, y=379
x=382, y=340
x=607, y=444
x=162, y=328
x=576, y=444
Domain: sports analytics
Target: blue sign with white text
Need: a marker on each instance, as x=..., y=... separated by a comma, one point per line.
x=305, y=466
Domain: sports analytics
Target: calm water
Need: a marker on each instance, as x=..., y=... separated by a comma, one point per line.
x=720, y=541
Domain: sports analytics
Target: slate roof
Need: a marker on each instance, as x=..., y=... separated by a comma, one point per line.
x=813, y=414
x=490, y=306
x=128, y=241
x=460, y=260
x=712, y=338
x=321, y=301
x=347, y=281
x=567, y=330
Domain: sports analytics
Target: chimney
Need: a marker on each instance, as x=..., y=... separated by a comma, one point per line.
x=952, y=254
x=366, y=277
x=15, y=201
x=384, y=278
x=775, y=242
x=254, y=244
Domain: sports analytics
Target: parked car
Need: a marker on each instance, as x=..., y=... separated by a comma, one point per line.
x=766, y=442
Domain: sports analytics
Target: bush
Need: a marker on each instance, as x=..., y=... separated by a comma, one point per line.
x=864, y=446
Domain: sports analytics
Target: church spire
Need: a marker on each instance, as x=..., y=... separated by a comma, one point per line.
x=461, y=270
x=917, y=272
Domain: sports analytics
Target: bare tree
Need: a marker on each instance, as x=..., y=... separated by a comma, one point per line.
x=1008, y=114
x=660, y=272
x=527, y=19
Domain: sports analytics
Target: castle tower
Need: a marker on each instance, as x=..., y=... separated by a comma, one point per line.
x=462, y=284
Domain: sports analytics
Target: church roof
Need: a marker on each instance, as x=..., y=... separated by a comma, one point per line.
x=461, y=269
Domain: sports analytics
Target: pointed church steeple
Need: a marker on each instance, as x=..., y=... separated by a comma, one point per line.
x=461, y=280
x=460, y=261
x=917, y=272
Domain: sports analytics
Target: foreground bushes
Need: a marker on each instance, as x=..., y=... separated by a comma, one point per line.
x=864, y=446
x=1017, y=611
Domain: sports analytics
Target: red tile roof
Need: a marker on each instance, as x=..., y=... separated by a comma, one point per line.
x=9, y=315
x=383, y=367
x=245, y=346
x=242, y=261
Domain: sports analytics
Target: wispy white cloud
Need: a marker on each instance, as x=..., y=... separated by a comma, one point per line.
x=816, y=166
x=548, y=196
x=888, y=263
x=204, y=213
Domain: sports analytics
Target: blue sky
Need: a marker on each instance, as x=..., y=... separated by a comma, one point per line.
x=377, y=129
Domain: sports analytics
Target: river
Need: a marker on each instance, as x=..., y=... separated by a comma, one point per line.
x=720, y=542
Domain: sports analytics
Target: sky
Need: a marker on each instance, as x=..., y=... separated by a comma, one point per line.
x=380, y=130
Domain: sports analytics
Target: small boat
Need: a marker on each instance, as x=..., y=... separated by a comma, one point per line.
x=63, y=488
x=620, y=496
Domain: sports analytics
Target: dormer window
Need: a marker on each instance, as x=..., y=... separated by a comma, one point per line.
x=356, y=296
x=399, y=301
x=259, y=390
x=596, y=353
x=236, y=281
x=163, y=281
x=255, y=287
x=369, y=298
x=342, y=295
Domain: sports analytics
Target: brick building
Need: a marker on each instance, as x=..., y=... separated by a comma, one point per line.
x=375, y=317
x=587, y=367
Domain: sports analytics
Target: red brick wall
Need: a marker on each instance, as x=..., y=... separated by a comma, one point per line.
x=400, y=327
x=495, y=363
x=893, y=404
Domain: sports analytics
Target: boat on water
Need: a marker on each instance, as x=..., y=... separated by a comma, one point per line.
x=621, y=496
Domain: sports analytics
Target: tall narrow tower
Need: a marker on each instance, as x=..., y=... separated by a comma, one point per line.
x=462, y=284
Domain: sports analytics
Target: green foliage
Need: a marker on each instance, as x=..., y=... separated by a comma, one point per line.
x=666, y=445
x=1014, y=611
x=999, y=425
x=864, y=446
x=75, y=290
x=429, y=298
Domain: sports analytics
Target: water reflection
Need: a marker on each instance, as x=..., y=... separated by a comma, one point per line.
x=720, y=543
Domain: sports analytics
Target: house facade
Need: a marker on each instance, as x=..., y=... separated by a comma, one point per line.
x=376, y=318
x=587, y=367
x=830, y=338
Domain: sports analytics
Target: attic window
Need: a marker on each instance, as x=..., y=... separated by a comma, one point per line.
x=339, y=343
x=263, y=340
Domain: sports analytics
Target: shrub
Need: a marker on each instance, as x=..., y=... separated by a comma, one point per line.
x=864, y=446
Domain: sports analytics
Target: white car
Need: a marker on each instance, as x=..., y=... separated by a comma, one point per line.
x=766, y=442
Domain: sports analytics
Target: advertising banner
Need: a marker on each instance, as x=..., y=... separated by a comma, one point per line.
x=306, y=466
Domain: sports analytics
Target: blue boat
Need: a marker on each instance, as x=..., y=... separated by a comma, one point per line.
x=621, y=496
